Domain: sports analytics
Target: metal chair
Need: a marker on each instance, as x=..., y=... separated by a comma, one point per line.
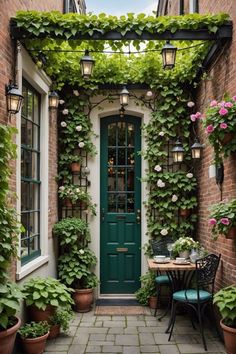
x=198, y=298
x=159, y=247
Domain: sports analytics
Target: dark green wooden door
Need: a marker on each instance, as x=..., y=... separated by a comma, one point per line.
x=120, y=255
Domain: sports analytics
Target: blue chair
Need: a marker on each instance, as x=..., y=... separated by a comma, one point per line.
x=197, y=299
x=159, y=247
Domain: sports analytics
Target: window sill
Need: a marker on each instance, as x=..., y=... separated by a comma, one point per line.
x=31, y=266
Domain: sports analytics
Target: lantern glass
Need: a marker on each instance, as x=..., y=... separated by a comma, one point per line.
x=178, y=152
x=196, y=149
x=14, y=99
x=53, y=100
x=124, y=97
x=168, y=55
x=86, y=65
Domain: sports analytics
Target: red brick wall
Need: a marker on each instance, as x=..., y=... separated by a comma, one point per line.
x=8, y=10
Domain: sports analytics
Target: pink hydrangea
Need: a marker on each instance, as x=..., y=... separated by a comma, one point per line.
x=193, y=117
x=223, y=111
x=225, y=221
x=223, y=125
x=209, y=129
x=212, y=221
x=213, y=103
x=228, y=104
x=234, y=98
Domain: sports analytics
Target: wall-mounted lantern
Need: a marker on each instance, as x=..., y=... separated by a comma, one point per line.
x=124, y=97
x=53, y=100
x=168, y=55
x=14, y=98
x=178, y=151
x=86, y=65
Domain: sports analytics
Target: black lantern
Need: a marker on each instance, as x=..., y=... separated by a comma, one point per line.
x=53, y=100
x=14, y=99
x=86, y=65
x=168, y=55
x=122, y=112
x=196, y=149
x=178, y=152
x=124, y=97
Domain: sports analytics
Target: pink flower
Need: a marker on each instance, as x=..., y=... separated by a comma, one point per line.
x=193, y=117
x=225, y=221
x=228, y=104
x=221, y=104
x=213, y=103
x=198, y=115
x=212, y=221
x=234, y=98
x=223, y=111
x=223, y=125
x=209, y=129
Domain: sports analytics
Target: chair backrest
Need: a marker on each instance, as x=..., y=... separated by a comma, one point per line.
x=206, y=269
x=159, y=247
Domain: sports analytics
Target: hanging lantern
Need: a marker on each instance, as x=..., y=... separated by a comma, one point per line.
x=124, y=97
x=196, y=149
x=178, y=152
x=14, y=99
x=168, y=55
x=53, y=100
x=86, y=65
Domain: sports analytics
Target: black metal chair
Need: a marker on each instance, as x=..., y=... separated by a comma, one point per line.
x=159, y=247
x=198, y=298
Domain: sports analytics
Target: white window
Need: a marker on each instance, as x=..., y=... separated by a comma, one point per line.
x=193, y=6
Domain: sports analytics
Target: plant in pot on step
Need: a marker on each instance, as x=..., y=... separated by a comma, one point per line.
x=44, y=295
x=60, y=320
x=225, y=299
x=223, y=219
x=34, y=336
x=147, y=294
x=77, y=262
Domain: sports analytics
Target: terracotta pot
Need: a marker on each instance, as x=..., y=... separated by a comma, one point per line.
x=41, y=315
x=54, y=331
x=83, y=299
x=35, y=345
x=7, y=338
x=75, y=167
x=152, y=302
x=227, y=138
x=68, y=203
x=232, y=233
x=229, y=338
x=184, y=212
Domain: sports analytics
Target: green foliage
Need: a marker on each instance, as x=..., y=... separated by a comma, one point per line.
x=147, y=289
x=72, y=230
x=41, y=292
x=76, y=194
x=34, y=329
x=62, y=317
x=10, y=296
x=225, y=299
x=222, y=217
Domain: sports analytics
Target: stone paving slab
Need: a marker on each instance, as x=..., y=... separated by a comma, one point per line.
x=137, y=334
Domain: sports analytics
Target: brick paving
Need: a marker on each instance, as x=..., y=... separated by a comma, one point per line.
x=131, y=334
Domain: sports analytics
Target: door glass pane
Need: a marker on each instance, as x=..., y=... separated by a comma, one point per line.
x=121, y=133
x=121, y=203
x=121, y=156
x=130, y=134
x=111, y=179
x=121, y=179
x=112, y=203
x=130, y=156
x=111, y=156
x=112, y=134
x=130, y=179
x=130, y=203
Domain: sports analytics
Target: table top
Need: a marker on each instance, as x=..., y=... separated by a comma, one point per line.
x=169, y=266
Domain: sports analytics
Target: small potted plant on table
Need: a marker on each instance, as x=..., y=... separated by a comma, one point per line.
x=223, y=219
x=34, y=336
x=184, y=245
x=225, y=299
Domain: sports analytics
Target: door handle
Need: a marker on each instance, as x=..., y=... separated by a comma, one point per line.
x=138, y=216
x=103, y=214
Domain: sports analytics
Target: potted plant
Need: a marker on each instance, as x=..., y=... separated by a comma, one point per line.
x=186, y=206
x=225, y=299
x=34, y=336
x=44, y=295
x=10, y=296
x=147, y=294
x=223, y=219
x=77, y=261
x=77, y=195
x=220, y=125
x=184, y=245
x=73, y=160
x=60, y=319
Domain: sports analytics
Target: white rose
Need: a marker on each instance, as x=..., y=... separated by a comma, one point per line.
x=65, y=111
x=61, y=101
x=81, y=144
x=76, y=92
x=157, y=168
x=62, y=188
x=174, y=198
x=79, y=128
x=190, y=104
x=77, y=190
x=81, y=251
x=160, y=183
x=161, y=134
x=63, y=124
x=164, y=232
x=149, y=94
x=189, y=175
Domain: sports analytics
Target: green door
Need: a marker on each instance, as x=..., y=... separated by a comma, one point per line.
x=120, y=255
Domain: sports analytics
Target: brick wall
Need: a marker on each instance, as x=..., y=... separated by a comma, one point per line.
x=8, y=10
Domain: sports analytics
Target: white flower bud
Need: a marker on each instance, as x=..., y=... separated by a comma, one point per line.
x=65, y=111
x=157, y=168
x=79, y=128
x=63, y=124
x=81, y=144
x=189, y=175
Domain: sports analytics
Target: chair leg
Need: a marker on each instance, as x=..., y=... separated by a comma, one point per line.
x=201, y=327
x=172, y=319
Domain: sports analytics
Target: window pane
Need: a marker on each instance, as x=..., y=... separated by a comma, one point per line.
x=36, y=109
x=30, y=105
x=112, y=134
x=130, y=135
x=29, y=164
x=121, y=133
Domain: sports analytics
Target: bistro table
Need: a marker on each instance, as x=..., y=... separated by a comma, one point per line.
x=180, y=275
